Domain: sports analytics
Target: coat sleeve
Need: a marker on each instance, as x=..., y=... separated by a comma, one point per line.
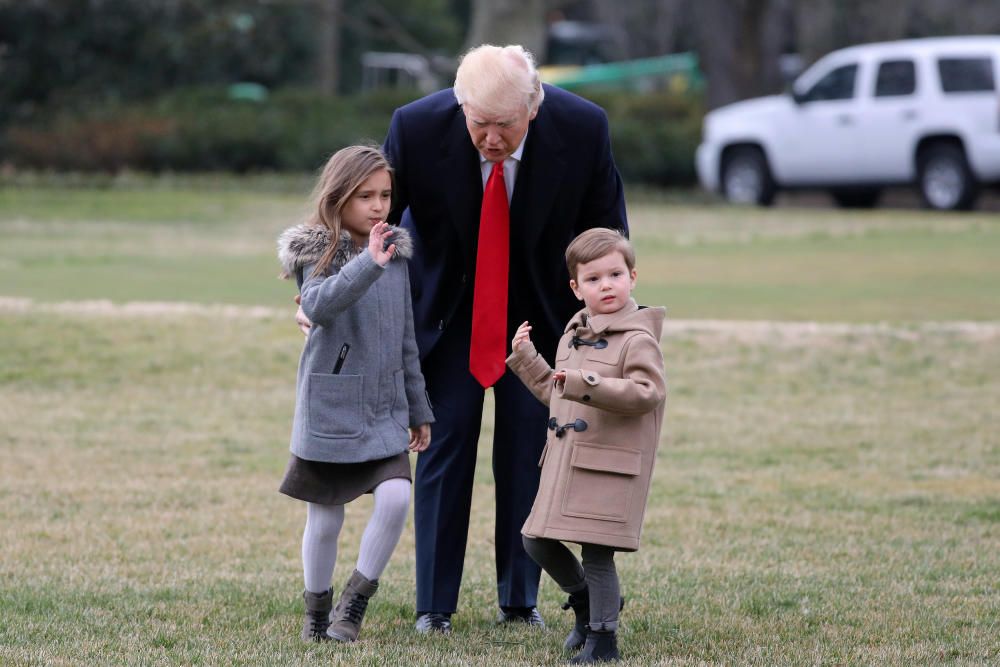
x=325, y=297
x=532, y=369
x=641, y=388
x=416, y=390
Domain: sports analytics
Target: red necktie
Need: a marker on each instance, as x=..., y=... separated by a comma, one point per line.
x=488, y=349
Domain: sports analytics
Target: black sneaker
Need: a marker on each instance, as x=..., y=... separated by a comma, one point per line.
x=432, y=621
x=527, y=615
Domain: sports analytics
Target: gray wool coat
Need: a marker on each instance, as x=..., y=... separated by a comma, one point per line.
x=361, y=411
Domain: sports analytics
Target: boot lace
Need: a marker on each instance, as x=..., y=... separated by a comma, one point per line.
x=319, y=621
x=355, y=607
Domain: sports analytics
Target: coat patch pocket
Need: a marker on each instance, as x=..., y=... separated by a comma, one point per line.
x=601, y=482
x=400, y=406
x=335, y=405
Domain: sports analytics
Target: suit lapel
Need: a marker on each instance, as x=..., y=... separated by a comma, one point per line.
x=458, y=169
x=541, y=170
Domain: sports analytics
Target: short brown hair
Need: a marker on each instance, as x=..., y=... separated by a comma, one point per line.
x=596, y=243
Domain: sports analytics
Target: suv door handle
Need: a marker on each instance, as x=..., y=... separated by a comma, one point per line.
x=845, y=119
x=909, y=114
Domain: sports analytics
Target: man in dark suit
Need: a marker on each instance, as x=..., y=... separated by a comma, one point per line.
x=493, y=178
x=560, y=179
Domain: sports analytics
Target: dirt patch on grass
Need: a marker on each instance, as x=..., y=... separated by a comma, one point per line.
x=776, y=332
x=106, y=308
x=748, y=331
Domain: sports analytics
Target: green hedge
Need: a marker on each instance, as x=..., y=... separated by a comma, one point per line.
x=653, y=136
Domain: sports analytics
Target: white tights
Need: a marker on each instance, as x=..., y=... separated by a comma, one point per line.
x=323, y=524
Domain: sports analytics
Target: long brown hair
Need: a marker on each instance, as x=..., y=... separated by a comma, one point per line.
x=343, y=174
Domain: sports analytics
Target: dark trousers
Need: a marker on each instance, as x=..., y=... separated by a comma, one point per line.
x=445, y=473
x=597, y=574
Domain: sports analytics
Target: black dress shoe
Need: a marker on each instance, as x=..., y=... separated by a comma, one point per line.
x=527, y=615
x=432, y=621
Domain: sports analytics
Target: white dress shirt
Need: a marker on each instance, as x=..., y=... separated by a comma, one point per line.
x=510, y=166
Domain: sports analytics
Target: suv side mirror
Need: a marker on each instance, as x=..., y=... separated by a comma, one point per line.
x=798, y=97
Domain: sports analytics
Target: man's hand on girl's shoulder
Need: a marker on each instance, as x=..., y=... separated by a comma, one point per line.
x=305, y=324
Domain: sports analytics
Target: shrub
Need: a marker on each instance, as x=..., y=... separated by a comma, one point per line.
x=653, y=136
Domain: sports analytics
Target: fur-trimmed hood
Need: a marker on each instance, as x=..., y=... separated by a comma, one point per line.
x=302, y=245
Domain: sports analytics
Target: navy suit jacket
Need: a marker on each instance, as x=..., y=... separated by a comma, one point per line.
x=567, y=182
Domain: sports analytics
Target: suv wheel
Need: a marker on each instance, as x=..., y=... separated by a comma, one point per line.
x=946, y=183
x=746, y=178
x=856, y=197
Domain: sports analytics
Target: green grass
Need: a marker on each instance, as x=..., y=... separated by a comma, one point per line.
x=825, y=495
x=183, y=243
x=825, y=498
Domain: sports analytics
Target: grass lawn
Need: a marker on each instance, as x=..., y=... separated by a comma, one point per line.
x=823, y=494
x=217, y=246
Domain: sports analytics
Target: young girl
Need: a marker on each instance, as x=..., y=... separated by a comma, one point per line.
x=359, y=385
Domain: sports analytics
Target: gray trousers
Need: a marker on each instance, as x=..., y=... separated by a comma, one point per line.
x=596, y=574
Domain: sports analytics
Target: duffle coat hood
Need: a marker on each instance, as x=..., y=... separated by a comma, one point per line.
x=604, y=426
x=359, y=383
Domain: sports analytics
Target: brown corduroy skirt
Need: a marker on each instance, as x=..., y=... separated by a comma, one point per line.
x=339, y=483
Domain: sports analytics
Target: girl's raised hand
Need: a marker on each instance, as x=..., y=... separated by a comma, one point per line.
x=522, y=335
x=376, y=243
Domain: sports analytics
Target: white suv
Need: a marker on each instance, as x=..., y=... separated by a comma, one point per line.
x=923, y=111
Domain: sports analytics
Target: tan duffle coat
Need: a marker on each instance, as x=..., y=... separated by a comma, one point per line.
x=604, y=426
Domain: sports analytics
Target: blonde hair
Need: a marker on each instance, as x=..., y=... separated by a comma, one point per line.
x=596, y=243
x=493, y=78
x=343, y=174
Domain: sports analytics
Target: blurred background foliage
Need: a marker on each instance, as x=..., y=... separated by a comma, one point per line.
x=258, y=85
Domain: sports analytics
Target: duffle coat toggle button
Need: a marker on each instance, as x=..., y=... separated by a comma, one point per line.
x=578, y=425
x=576, y=342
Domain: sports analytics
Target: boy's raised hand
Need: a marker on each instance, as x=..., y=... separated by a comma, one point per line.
x=522, y=335
x=376, y=243
x=420, y=438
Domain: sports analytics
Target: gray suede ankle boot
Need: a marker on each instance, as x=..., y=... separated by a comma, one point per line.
x=317, y=618
x=601, y=646
x=345, y=626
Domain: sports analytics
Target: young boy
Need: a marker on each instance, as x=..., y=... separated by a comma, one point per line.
x=606, y=402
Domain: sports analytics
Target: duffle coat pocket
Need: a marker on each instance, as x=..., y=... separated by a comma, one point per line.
x=335, y=405
x=601, y=482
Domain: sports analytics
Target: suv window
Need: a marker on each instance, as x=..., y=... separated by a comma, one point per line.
x=838, y=84
x=966, y=75
x=895, y=77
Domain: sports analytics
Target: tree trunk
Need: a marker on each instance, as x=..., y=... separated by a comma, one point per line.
x=503, y=22
x=739, y=44
x=328, y=51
